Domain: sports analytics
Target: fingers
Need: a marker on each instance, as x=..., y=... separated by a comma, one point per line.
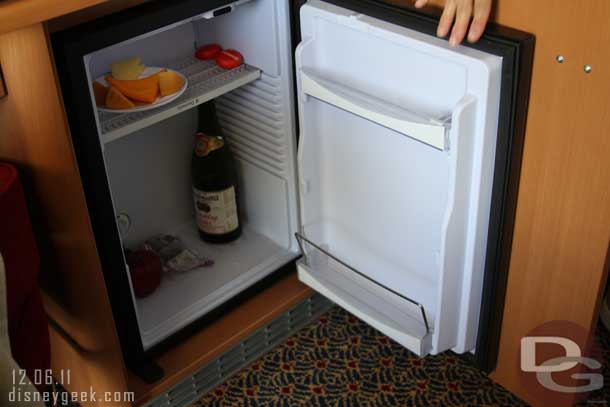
x=462, y=20
x=457, y=13
x=482, y=9
x=444, y=25
x=420, y=3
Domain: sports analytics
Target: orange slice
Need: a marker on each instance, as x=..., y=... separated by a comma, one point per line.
x=143, y=90
x=99, y=91
x=170, y=82
x=116, y=100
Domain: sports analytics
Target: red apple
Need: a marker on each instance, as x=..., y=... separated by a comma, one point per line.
x=145, y=268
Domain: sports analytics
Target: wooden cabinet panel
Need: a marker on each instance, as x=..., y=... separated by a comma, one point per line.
x=34, y=136
x=84, y=15
x=15, y=14
x=88, y=370
x=563, y=213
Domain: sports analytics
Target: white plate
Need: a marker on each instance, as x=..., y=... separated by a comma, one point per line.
x=151, y=70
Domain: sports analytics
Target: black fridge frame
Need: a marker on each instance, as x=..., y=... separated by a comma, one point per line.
x=71, y=45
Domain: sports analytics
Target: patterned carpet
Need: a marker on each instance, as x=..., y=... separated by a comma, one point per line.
x=339, y=361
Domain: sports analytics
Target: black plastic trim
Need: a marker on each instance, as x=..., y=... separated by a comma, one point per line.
x=223, y=10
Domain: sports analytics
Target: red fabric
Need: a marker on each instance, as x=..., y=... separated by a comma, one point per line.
x=27, y=322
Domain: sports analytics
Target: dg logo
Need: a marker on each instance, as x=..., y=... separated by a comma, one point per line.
x=560, y=363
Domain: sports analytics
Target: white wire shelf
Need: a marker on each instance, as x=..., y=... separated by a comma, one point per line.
x=206, y=81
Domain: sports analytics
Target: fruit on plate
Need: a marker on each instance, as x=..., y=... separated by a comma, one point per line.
x=116, y=100
x=207, y=51
x=130, y=93
x=143, y=90
x=99, y=91
x=229, y=59
x=170, y=82
x=127, y=69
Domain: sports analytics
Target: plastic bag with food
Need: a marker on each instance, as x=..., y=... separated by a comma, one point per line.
x=174, y=255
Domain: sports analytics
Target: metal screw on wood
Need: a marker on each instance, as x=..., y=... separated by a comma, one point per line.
x=559, y=59
x=588, y=68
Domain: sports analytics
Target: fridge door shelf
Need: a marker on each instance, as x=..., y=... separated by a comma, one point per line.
x=206, y=81
x=429, y=130
x=400, y=317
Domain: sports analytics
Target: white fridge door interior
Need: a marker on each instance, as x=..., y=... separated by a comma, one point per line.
x=396, y=159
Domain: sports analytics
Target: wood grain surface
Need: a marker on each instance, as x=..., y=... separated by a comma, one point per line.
x=562, y=229
x=34, y=136
x=15, y=14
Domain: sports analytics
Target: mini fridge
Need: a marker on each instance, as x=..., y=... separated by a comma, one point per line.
x=376, y=160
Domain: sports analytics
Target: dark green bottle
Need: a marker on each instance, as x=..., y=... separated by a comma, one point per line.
x=214, y=178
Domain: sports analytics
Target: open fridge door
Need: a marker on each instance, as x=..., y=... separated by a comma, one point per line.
x=396, y=162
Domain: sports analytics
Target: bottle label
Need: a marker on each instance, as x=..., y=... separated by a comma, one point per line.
x=216, y=211
x=205, y=144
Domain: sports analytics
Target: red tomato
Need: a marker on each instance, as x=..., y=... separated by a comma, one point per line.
x=208, y=51
x=229, y=59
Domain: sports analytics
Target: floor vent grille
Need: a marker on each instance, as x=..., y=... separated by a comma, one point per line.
x=242, y=354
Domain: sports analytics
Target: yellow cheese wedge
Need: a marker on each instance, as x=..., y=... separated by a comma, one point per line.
x=170, y=82
x=127, y=69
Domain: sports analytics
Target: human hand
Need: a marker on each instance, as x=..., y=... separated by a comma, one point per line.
x=457, y=13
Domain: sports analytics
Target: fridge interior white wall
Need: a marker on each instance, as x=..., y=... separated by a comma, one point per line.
x=149, y=169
